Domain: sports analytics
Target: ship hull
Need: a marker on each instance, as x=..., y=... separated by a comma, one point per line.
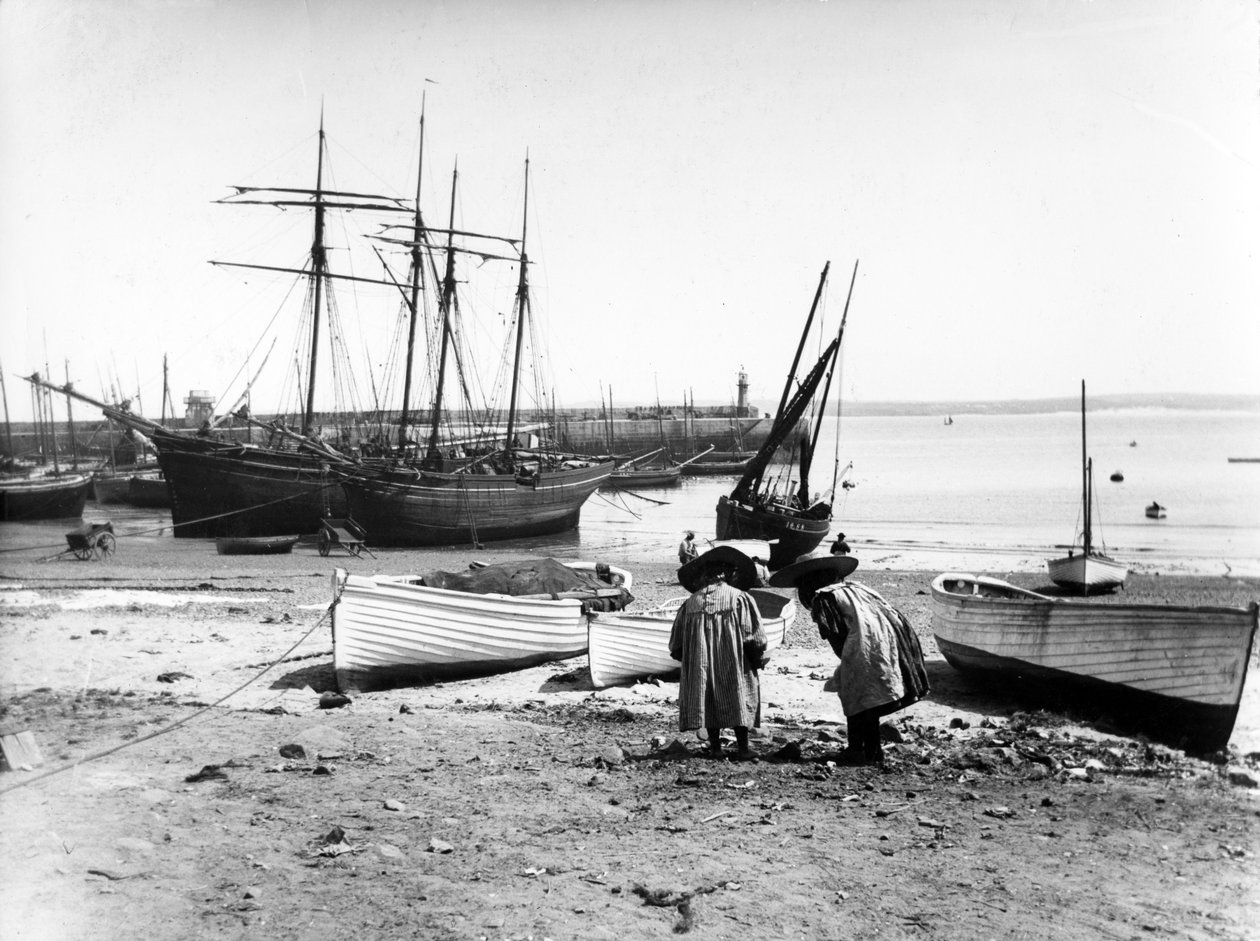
x=219, y=489
x=790, y=533
x=436, y=509
x=44, y=498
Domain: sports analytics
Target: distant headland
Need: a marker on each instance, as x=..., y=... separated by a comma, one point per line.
x=1190, y=401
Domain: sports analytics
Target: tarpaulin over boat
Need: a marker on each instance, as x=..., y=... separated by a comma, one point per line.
x=537, y=577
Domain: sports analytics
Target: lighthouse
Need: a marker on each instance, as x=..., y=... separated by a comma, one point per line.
x=741, y=405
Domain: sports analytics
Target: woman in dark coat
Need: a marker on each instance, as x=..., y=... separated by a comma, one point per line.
x=881, y=666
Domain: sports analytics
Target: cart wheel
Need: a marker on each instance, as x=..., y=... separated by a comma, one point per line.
x=105, y=546
x=83, y=553
x=323, y=545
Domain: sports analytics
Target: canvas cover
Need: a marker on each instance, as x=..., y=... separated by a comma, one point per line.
x=529, y=577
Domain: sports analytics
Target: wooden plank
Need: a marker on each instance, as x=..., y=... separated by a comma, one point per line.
x=19, y=750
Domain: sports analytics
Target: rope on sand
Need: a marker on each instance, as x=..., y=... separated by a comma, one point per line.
x=44, y=775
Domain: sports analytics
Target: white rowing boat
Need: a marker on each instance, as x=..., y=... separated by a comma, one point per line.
x=392, y=630
x=625, y=647
x=1176, y=671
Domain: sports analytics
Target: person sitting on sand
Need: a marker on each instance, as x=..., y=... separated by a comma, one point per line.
x=881, y=661
x=718, y=638
x=687, y=548
x=840, y=547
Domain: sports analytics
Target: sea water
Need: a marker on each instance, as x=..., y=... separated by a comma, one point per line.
x=997, y=493
x=986, y=494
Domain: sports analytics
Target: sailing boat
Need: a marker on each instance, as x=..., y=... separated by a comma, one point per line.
x=223, y=487
x=136, y=483
x=46, y=495
x=511, y=491
x=659, y=474
x=1091, y=570
x=755, y=509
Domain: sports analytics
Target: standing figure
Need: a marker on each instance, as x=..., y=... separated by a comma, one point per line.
x=881, y=661
x=718, y=638
x=687, y=548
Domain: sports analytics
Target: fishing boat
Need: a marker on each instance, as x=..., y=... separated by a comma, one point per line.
x=507, y=492
x=707, y=468
x=402, y=630
x=54, y=496
x=1117, y=477
x=629, y=475
x=1175, y=671
x=141, y=485
x=1155, y=511
x=764, y=507
x=1089, y=569
x=625, y=646
x=39, y=491
x=255, y=545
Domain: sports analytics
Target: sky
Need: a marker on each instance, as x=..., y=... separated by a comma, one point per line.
x=1034, y=193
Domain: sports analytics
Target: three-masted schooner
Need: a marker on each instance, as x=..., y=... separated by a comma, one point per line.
x=507, y=491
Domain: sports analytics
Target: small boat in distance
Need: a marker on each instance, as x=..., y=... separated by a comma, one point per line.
x=949, y=419
x=1091, y=570
x=254, y=545
x=1117, y=477
x=1174, y=672
x=1155, y=511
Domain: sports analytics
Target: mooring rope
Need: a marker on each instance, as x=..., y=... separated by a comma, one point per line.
x=44, y=775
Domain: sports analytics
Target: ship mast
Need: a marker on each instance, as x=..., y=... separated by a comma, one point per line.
x=809, y=447
x=522, y=307
x=319, y=266
x=1085, y=471
x=417, y=278
x=787, y=388
x=448, y=296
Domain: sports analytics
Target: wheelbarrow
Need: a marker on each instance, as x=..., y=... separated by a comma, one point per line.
x=92, y=541
x=343, y=534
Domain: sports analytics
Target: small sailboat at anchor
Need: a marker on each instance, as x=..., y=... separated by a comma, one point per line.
x=1089, y=569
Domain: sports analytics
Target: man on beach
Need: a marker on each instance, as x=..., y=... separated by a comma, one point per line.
x=687, y=548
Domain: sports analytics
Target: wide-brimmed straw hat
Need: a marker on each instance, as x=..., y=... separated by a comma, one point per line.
x=840, y=565
x=691, y=575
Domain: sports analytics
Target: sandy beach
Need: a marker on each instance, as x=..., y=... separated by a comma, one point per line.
x=166, y=691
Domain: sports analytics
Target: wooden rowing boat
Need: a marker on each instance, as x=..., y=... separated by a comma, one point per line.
x=394, y=630
x=254, y=545
x=1175, y=672
x=624, y=647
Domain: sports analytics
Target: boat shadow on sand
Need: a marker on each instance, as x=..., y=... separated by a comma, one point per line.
x=1053, y=704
